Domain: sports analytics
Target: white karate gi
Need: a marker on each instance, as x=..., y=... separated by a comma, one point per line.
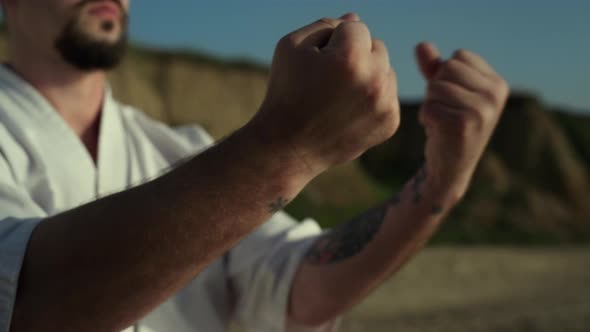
x=45, y=169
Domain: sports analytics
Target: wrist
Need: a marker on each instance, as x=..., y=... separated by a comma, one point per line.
x=273, y=132
x=272, y=157
x=446, y=193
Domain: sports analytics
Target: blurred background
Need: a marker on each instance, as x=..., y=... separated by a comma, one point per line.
x=514, y=255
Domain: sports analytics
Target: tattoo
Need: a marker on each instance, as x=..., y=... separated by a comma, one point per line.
x=278, y=205
x=349, y=239
x=417, y=185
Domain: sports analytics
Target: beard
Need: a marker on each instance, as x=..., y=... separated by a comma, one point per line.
x=86, y=52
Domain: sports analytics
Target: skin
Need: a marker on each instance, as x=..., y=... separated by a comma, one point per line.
x=331, y=84
x=464, y=100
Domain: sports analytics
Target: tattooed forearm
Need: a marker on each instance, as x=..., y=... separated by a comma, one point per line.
x=349, y=239
x=418, y=187
x=278, y=205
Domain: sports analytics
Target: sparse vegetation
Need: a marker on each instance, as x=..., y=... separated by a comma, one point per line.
x=532, y=186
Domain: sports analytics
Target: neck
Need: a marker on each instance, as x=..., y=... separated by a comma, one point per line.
x=76, y=95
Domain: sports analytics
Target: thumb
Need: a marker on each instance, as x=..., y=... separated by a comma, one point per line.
x=428, y=59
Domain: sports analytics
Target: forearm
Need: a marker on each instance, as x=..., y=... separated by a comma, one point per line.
x=347, y=263
x=102, y=266
x=464, y=100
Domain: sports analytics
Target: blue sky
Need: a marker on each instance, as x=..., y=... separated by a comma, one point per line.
x=539, y=46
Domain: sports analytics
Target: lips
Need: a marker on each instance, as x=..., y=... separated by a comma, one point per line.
x=105, y=9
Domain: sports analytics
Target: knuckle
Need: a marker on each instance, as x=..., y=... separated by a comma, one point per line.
x=287, y=42
x=497, y=91
x=364, y=27
x=462, y=54
x=327, y=21
x=357, y=25
x=378, y=43
x=388, y=125
x=351, y=64
x=387, y=121
x=375, y=91
x=453, y=65
x=502, y=86
x=393, y=120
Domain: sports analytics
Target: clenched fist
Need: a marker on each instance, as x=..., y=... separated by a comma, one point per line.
x=464, y=100
x=332, y=93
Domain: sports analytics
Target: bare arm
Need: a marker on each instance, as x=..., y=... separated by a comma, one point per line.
x=465, y=98
x=103, y=266
x=112, y=261
x=347, y=263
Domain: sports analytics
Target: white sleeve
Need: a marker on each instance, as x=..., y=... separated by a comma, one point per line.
x=261, y=269
x=262, y=266
x=18, y=217
x=198, y=137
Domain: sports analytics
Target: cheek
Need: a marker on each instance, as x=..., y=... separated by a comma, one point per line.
x=42, y=16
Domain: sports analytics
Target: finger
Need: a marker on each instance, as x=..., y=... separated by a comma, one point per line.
x=475, y=61
x=452, y=94
x=321, y=37
x=459, y=72
x=379, y=50
x=428, y=59
x=314, y=34
x=351, y=36
x=350, y=17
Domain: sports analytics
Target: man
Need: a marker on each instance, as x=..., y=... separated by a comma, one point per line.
x=206, y=241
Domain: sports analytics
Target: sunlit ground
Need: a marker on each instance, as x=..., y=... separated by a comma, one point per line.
x=482, y=290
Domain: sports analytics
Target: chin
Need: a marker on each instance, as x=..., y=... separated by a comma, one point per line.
x=98, y=32
x=91, y=44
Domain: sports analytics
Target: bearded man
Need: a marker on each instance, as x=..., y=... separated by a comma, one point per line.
x=96, y=236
